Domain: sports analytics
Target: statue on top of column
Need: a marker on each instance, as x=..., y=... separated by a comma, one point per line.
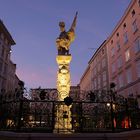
x=65, y=38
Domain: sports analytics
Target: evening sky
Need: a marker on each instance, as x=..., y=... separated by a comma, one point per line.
x=33, y=25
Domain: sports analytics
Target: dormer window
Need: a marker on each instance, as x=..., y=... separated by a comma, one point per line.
x=124, y=25
x=133, y=13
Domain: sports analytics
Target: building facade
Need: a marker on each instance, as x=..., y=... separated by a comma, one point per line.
x=96, y=74
x=124, y=52
x=85, y=81
x=120, y=62
x=8, y=78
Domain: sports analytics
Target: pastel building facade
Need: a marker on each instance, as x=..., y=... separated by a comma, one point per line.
x=96, y=74
x=85, y=81
x=120, y=62
x=123, y=48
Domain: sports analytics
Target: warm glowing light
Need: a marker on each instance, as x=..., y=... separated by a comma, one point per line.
x=108, y=104
x=63, y=119
x=114, y=106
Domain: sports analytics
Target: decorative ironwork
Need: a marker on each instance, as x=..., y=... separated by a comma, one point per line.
x=102, y=111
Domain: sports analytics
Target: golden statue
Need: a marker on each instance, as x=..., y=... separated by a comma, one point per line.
x=65, y=38
x=63, y=60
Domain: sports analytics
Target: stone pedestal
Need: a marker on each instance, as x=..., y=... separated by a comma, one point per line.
x=63, y=113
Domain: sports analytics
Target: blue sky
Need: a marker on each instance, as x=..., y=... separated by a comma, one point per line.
x=34, y=27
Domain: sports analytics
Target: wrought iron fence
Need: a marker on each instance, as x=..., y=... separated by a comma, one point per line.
x=86, y=116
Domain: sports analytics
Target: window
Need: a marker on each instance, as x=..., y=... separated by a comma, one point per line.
x=124, y=25
x=127, y=55
x=138, y=68
x=117, y=34
x=7, y=55
x=119, y=61
x=113, y=67
x=94, y=71
x=125, y=37
x=134, y=26
x=5, y=69
x=133, y=12
x=118, y=45
x=103, y=51
x=6, y=41
x=139, y=2
x=99, y=66
x=2, y=36
x=129, y=75
x=104, y=78
x=120, y=81
x=113, y=51
x=95, y=83
x=137, y=45
x=99, y=81
x=111, y=42
x=103, y=62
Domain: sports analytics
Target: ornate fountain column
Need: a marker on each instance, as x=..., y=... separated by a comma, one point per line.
x=63, y=59
x=63, y=119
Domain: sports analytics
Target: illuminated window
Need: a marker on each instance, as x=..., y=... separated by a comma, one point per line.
x=137, y=45
x=125, y=37
x=127, y=55
x=134, y=26
x=129, y=75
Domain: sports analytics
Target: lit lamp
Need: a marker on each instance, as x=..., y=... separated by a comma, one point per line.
x=108, y=104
